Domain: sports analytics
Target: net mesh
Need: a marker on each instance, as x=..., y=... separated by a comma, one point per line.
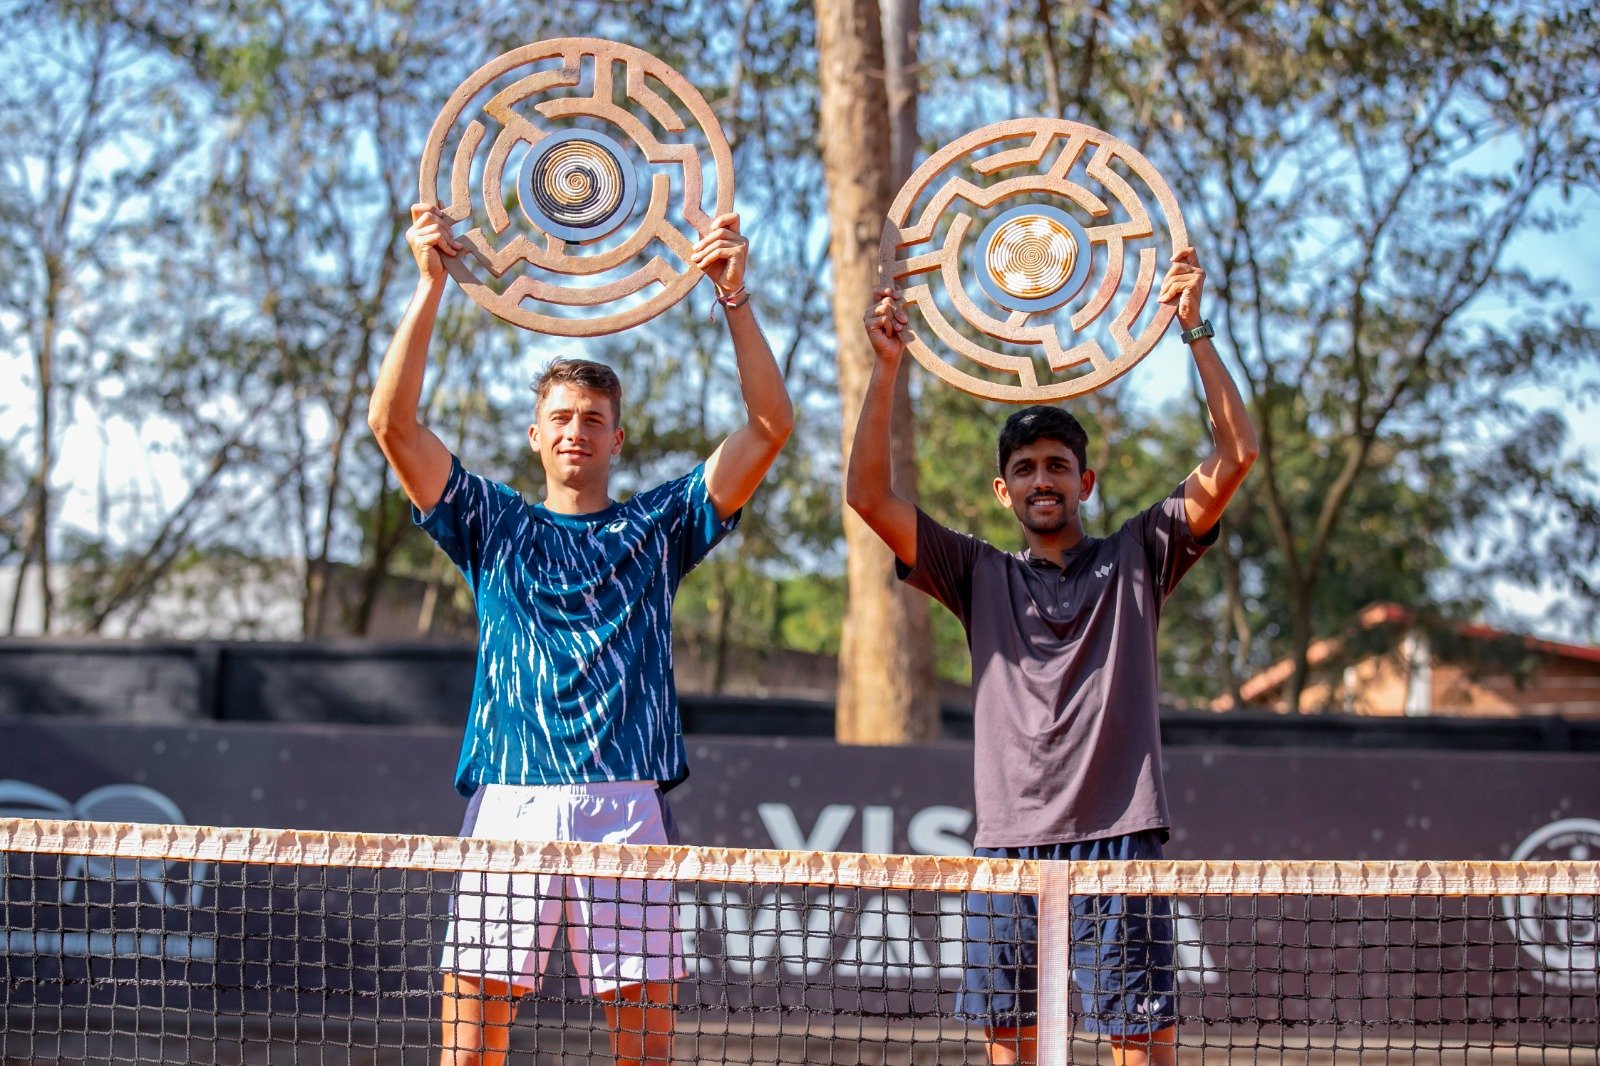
x=155, y=943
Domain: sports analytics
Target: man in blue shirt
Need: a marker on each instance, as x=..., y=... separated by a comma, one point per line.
x=574, y=723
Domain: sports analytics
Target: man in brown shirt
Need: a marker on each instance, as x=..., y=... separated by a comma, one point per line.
x=1063, y=640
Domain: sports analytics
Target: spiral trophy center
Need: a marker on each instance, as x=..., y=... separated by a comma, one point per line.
x=1033, y=258
x=577, y=185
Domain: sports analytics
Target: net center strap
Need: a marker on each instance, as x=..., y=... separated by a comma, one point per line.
x=1055, y=963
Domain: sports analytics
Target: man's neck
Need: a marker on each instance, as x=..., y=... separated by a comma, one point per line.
x=575, y=499
x=1053, y=547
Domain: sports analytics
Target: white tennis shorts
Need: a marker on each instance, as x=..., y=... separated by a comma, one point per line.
x=620, y=932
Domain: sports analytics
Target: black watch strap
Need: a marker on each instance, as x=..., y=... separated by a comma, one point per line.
x=1189, y=336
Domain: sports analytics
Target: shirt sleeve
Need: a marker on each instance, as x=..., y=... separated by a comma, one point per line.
x=1170, y=545
x=945, y=560
x=697, y=528
x=464, y=518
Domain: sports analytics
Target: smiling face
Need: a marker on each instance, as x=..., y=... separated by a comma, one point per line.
x=576, y=436
x=1044, y=487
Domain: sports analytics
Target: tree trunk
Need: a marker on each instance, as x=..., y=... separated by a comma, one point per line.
x=1082, y=92
x=1299, y=646
x=721, y=633
x=36, y=543
x=886, y=693
x=902, y=25
x=430, y=596
x=64, y=179
x=1052, y=59
x=388, y=530
x=1235, y=629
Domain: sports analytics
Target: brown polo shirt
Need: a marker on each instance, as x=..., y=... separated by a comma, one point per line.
x=1067, y=739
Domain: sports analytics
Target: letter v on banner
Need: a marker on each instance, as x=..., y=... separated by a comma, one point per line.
x=784, y=828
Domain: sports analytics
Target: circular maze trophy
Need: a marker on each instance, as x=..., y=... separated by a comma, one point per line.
x=1029, y=250
x=586, y=168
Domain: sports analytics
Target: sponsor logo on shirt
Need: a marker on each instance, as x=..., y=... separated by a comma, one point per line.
x=618, y=526
x=1104, y=571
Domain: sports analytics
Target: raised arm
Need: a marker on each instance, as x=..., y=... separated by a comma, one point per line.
x=743, y=459
x=1211, y=485
x=869, y=482
x=420, y=459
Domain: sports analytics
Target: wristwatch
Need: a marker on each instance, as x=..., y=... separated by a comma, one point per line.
x=1189, y=336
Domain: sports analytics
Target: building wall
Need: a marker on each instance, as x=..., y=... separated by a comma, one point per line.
x=1377, y=686
x=1561, y=686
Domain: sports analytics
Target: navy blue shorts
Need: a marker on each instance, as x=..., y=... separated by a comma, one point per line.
x=1121, y=949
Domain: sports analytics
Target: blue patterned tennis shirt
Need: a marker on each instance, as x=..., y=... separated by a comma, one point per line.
x=574, y=678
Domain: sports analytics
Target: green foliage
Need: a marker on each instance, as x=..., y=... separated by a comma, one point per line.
x=1356, y=176
x=1358, y=211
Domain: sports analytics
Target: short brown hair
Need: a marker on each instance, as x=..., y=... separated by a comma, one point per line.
x=583, y=374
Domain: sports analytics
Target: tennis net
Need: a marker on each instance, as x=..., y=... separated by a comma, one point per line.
x=158, y=943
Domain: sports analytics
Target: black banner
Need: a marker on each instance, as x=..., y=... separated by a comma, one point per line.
x=271, y=940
